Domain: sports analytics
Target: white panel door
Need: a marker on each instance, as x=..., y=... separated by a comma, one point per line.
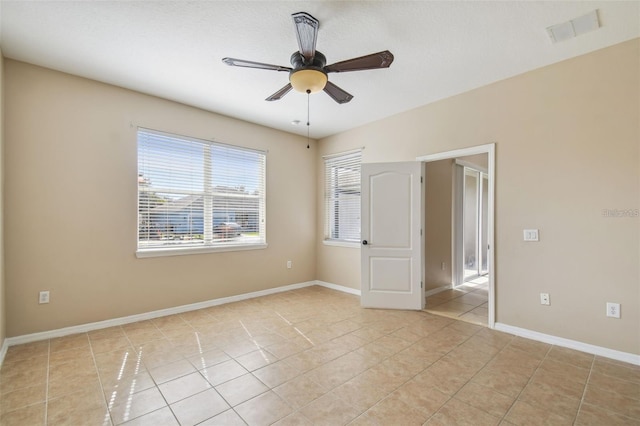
x=391, y=241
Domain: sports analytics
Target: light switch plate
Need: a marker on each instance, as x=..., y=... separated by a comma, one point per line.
x=531, y=235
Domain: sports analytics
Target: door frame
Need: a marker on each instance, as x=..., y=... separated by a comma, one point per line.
x=461, y=169
x=488, y=149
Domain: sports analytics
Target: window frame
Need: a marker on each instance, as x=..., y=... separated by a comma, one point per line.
x=331, y=161
x=208, y=193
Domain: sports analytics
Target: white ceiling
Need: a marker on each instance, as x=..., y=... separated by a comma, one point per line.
x=173, y=49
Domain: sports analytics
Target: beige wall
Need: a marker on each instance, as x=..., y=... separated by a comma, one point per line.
x=71, y=205
x=438, y=223
x=567, y=147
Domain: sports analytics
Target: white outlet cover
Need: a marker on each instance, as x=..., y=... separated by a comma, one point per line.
x=530, y=235
x=545, y=299
x=613, y=310
x=43, y=297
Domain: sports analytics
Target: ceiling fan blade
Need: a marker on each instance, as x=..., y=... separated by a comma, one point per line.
x=307, y=34
x=374, y=61
x=250, y=64
x=337, y=94
x=280, y=93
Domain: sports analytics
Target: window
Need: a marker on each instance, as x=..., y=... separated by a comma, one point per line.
x=196, y=195
x=342, y=197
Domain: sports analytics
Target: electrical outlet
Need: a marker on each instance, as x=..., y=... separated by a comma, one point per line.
x=544, y=299
x=43, y=297
x=442, y=266
x=613, y=310
x=289, y=264
x=531, y=235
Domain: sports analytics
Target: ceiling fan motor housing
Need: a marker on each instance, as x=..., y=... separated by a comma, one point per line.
x=308, y=78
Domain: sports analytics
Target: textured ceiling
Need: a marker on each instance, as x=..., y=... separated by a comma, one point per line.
x=173, y=49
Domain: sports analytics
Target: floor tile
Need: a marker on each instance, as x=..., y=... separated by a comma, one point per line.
x=545, y=397
x=256, y=359
x=241, y=389
x=75, y=406
x=294, y=419
x=227, y=418
x=31, y=415
x=485, y=399
x=208, y=358
x=275, y=374
x=183, y=387
x=612, y=384
x=223, y=372
x=428, y=400
x=456, y=412
x=171, y=371
x=612, y=401
x=525, y=414
x=299, y=391
x=591, y=415
x=163, y=417
x=128, y=407
x=264, y=409
x=199, y=407
x=23, y=397
x=394, y=411
x=329, y=410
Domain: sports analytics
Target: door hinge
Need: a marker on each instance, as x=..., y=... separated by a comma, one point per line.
x=420, y=284
x=420, y=179
x=421, y=232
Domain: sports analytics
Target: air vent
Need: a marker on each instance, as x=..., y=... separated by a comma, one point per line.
x=574, y=27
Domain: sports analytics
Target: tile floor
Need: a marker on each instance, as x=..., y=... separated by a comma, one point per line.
x=310, y=356
x=467, y=302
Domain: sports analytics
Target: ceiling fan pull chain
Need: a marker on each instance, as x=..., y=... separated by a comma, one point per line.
x=308, y=96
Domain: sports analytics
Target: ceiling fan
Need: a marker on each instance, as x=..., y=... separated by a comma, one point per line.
x=309, y=72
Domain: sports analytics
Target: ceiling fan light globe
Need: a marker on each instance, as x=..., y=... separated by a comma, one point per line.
x=308, y=80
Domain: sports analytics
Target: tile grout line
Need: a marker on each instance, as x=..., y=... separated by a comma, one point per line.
x=584, y=391
x=474, y=375
x=517, y=398
x=155, y=384
x=95, y=364
x=46, y=391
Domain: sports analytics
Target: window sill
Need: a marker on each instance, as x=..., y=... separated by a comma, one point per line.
x=172, y=251
x=340, y=244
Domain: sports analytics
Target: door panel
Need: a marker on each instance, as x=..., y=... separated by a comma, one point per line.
x=391, y=223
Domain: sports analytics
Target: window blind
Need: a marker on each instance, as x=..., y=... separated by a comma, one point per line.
x=196, y=193
x=342, y=196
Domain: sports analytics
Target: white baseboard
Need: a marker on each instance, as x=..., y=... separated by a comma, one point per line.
x=437, y=290
x=3, y=351
x=338, y=287
x=571, y=344
x=83, y=328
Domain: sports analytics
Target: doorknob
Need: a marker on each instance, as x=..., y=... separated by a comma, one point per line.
x=364, y=242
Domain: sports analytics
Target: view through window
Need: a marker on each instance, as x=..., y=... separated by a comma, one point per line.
x=196, y=193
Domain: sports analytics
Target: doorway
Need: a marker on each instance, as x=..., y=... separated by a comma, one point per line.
x=474, y=205
x=393, y=264
x=468, y=293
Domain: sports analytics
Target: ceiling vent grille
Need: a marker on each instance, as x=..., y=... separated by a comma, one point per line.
x=574, y=27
